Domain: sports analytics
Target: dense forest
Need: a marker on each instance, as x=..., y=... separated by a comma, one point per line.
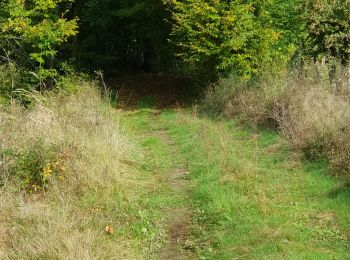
x=204, y=39
x=174, y=129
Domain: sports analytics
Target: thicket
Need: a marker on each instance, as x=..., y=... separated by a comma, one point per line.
x=219, y=37
x=31, y=34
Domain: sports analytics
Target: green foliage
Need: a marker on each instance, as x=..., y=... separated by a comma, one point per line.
x=9, y=77
x=69, y=84
x=148, y=102
x=35, y=166
x=287, y=16
x=222, y=36
x=13, y=81
x=38, y=27
x=328, y=27
x=211, y=38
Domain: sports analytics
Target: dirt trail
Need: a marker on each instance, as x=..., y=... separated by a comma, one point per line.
x=178, y=217
x=162, y=93
x=178, y=220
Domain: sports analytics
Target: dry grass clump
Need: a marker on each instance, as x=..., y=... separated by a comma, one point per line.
x=339, y=155
x=311, y=117
x=62, y=180
x=250, y=101
x=316, y=120
x=219, y=95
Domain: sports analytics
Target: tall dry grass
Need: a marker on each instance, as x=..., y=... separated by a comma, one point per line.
x=66, y=219
x=249, y=101
x=309, y=108
x=311, y=117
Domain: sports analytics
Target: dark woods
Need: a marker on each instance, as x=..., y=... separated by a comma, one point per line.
x=201, y=39
x=128, y=36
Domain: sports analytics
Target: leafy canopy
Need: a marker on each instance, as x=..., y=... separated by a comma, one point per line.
x=328, y=26
x=39, y=26
x=221, y=36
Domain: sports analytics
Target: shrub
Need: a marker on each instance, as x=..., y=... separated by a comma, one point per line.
x=35, y=166
x=16, y=83
x=37, y=29
x=9, y=80
x=317, y=122
x=220, y=94
x=310, y=116
x=339, y=155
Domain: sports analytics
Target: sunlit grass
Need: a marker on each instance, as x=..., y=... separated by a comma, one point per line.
x=250, y=197
x=256, y=200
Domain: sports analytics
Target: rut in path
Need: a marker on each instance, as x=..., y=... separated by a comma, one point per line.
x=178, y=217
x=178, y=220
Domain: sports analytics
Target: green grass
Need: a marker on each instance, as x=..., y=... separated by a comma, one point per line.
x=158, y=160
x=252, y=198
x=248, y=196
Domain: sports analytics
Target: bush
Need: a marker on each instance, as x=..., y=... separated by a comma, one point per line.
x=311, y=117
x=9, y=79
x=219, y=95
x=339, y=155
x=35, y=166
x=34, y=32
x=217, y=37
x=16, y=83
x=317, y=122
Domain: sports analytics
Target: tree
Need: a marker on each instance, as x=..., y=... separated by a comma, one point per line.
x=224, y=36
x=328, y=28
x=36, y=29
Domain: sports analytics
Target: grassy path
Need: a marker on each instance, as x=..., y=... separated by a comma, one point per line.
x=219, y=191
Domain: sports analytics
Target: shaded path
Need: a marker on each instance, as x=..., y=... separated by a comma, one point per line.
x=152, y=91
